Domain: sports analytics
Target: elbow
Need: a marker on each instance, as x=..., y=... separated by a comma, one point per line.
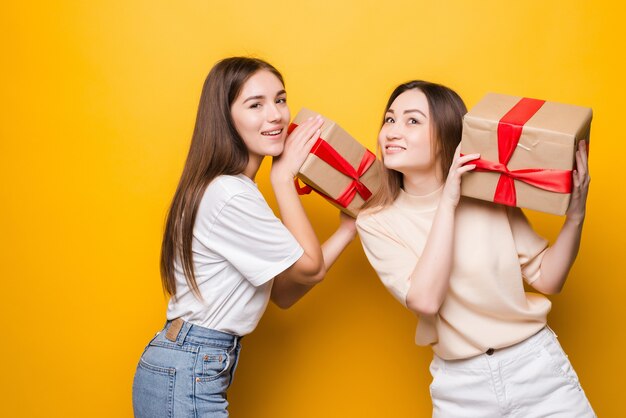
x=423, y=306
x=311, y=272
x=548, y=286
x=283, y=303
x=551, y=290
x=317, y=277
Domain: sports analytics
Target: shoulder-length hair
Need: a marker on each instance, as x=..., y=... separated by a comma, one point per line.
x=446, y=122
x=216, y=149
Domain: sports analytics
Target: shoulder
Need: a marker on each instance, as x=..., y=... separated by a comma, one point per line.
x=377, y=220
x=225, y=188
x=228, y=186
x=232, y=193
x=369, y=216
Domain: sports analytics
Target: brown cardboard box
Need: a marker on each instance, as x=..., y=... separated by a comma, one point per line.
x=548, y=141
x=329, y=181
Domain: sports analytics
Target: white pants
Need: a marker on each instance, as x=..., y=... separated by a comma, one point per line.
x=530, y=379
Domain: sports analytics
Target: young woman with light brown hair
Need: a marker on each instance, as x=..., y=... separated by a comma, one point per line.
x=224, y=252
x=460, y=265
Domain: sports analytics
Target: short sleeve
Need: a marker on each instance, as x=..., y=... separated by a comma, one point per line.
x=530, y=247
x=393, y=260
x=248, y=234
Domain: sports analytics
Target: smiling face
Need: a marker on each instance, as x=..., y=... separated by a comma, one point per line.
x=261, y=116
x=405, y=137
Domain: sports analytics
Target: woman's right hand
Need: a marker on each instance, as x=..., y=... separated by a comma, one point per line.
x=452, y=187
x=347, y=223
x=297, y=147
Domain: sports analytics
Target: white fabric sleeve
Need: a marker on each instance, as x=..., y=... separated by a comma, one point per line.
x=253, y=239
x=393, y=260
x=530, y=246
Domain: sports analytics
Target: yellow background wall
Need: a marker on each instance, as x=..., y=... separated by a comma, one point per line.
x=98, y=101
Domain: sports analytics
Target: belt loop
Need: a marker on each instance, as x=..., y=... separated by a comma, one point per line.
x=182, y=335
x=441, y=363
x=552, y=331
x=235, y=340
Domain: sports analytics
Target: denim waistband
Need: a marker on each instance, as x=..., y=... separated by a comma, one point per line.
x=195, y=334
x=501, y=355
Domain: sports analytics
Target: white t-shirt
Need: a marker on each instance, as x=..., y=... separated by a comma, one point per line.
x=238, y=246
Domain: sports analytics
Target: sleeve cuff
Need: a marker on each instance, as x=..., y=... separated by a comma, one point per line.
x=277, y=268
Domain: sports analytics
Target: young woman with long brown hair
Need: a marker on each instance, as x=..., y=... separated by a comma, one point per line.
x=224, y=252
x=460, y=264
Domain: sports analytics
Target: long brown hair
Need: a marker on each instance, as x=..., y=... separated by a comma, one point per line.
x=446, y=112
x=216, y=148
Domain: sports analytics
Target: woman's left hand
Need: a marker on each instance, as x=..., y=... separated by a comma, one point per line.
x=297, y=147
x=580, y=185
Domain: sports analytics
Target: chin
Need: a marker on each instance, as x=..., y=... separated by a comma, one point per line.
x=391, y=165
x=275, y=151
x=395, y=167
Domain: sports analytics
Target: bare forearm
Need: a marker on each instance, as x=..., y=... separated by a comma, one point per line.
x=559, y=258
x=286, y=291
x=295, y=219
x=429, y=281
x=334, y=246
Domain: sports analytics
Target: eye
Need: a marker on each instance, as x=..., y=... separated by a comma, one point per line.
x=389, y=119
x=413, y=121
x=281, y=100
x=255, y=105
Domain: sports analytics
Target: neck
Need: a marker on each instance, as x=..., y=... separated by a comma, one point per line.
x=420, y=184
x=254, y=163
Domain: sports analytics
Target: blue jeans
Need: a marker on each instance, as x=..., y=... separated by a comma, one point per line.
x=186, y=377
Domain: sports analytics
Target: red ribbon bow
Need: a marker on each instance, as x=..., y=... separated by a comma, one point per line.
x=328, y=154
x=509, y=132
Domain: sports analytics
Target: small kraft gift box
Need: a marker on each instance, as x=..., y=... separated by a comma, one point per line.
x=527, y=151
x=338, y=167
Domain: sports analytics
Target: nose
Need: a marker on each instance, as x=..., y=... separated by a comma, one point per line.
x=393, y=132
x=273, y=113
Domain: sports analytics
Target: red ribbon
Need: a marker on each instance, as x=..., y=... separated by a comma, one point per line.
x=509, y=132
x=329, y=155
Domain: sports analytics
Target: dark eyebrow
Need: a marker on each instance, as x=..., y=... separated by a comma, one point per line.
x=414, y=110
x=254, y=98
x=280, y=92
x=408, y=111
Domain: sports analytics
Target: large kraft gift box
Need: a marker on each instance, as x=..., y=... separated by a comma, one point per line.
x=527, y=151
x=338, y=167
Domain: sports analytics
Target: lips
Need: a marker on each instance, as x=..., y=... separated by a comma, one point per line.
x=273, y=132
x=392, y=149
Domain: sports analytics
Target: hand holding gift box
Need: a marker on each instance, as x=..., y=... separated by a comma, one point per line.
x=338, y=167
x=527, y=149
